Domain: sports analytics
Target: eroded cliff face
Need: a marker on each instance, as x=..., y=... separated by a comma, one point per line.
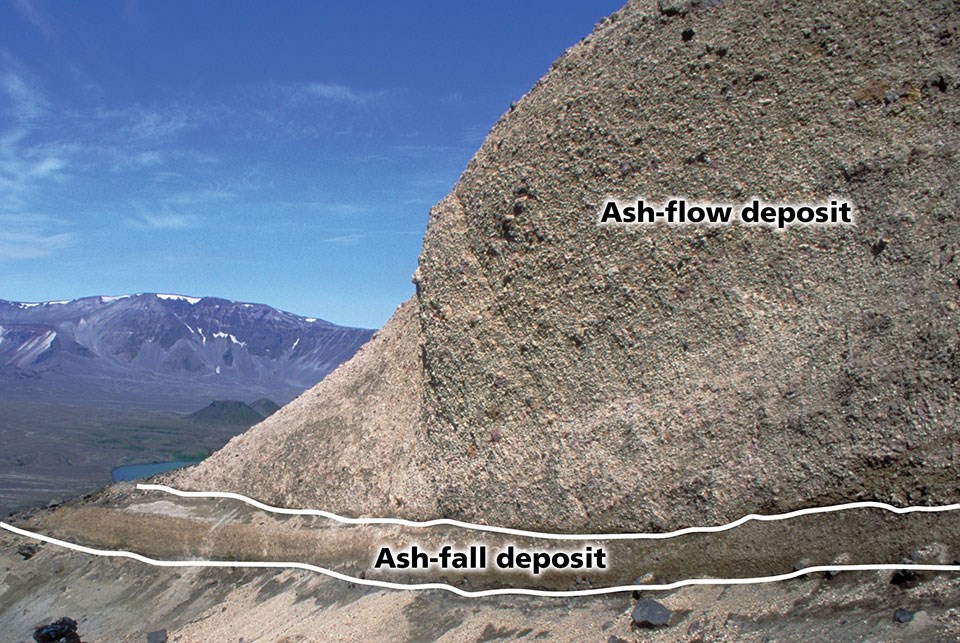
x=556, y=374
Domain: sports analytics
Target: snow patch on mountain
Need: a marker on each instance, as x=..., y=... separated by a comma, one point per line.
x=231, y=337
x=33, y=348
x=191, y=300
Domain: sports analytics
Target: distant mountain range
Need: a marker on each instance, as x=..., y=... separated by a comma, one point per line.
x=162, y=350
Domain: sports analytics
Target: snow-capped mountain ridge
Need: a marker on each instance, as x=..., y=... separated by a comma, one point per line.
x=206, y=341
x=109, y=299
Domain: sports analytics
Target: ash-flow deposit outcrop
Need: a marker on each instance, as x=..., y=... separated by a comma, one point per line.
x=551, y=373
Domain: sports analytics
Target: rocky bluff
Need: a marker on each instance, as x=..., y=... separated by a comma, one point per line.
x=555, y=374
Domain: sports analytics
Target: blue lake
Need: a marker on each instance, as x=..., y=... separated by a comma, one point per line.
x=139, y=471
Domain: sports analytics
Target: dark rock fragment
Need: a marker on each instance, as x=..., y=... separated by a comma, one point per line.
x=682, y=7
x=28, y=551
x=902, y=615
x=62, y=631
x=650, y=613
x=905, y=578
x=938, y=81
x=674, y=7
x=160, y=636
x=687, y=34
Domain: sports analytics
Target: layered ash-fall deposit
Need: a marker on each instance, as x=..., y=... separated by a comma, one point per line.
x=551, y=373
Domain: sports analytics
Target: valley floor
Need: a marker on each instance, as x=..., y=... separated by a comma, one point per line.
x=49, y=452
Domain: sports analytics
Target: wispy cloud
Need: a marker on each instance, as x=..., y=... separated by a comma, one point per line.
x=345, y=209
x=200, y=197
x=26, y=245
x=24, y=168
x=339, y=93
x=452, y=99
x=30, y=11
x=341, y=209
x=31, y=220
x=133, y=12
x=153, y=124
x=29, y=236
x=424, y=150
x=162, y=222
x=47, y=167
x=344, y=240
x=29, y=166
x=24, y=101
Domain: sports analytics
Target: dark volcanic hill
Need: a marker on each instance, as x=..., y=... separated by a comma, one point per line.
x=228, y=412
x=265, y=407
x=168, y=349
x=553, y=373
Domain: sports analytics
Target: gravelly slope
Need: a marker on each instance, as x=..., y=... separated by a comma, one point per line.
x=355, y=437
x=552, y=373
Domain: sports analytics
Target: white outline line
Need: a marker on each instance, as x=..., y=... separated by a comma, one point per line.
x=548, y=536
x=488, y=592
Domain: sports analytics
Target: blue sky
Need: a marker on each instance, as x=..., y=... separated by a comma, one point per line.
x=285, y=153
